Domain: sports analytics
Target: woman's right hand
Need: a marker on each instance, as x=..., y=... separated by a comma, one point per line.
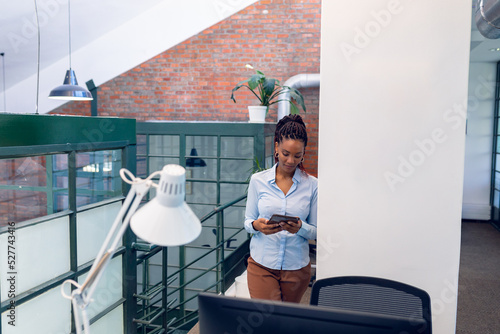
x=263, y=226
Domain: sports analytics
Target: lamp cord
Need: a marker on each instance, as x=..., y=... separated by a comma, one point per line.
x=69, y=31
x=3, y=72
x=79, y=309
x=129, y=178
x=38, y=60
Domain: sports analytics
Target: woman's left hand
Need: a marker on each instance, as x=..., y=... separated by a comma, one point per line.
x=291, y=227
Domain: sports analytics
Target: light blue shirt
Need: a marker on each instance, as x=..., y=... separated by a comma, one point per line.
x=282, y=250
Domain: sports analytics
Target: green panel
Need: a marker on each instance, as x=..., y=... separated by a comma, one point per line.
x=196, y=128
x=34, y=130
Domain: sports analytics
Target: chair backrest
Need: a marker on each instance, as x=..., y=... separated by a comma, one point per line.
x=373, y=295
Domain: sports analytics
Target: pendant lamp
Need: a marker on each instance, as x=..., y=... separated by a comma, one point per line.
x=70, y=90
x=194, y=161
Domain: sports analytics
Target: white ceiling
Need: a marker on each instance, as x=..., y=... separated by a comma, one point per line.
x=89, y=21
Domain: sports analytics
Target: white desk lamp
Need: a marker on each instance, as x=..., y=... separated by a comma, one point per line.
x=165, y=221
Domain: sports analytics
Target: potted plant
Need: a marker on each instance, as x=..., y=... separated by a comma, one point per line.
x=269, y=91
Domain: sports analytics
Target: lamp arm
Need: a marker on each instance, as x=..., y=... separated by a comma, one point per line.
x=82, y=295
x=127, y=203
x=105, y=254
x=79, y=316
x=139, y=189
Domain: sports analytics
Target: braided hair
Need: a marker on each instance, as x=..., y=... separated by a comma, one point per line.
x=291, y=127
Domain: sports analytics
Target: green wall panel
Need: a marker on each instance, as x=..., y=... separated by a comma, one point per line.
x=35, y=130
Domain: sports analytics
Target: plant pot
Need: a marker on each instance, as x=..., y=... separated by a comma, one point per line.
x=257, y=114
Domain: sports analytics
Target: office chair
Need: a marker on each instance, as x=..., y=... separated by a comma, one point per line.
x=373, y=295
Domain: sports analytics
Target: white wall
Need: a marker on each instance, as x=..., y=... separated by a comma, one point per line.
x=478, y=143
x=392, y=139
x=147, y=35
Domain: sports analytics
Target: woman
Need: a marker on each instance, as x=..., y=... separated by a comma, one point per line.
x=279, y=267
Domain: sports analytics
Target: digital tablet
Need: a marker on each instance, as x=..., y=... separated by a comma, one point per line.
x=281, y=218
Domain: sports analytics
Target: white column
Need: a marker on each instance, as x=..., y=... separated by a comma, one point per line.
x=391, y=143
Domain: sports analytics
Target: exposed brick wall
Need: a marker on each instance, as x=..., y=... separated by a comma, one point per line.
x=193, y=80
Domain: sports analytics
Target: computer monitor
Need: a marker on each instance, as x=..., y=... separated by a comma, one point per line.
x=222, y=314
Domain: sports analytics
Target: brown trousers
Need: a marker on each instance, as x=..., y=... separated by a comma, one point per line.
x=280, y=285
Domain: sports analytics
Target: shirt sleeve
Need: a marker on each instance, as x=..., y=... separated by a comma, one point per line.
x=252, y=209
x=308, y=229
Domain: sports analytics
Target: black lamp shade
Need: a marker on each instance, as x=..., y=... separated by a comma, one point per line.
x=195, y=162
x=70, y=90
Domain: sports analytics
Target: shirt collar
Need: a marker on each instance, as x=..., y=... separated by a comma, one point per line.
x=297, y=176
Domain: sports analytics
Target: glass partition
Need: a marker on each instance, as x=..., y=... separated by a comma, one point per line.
x=98, y=176
x=59, y=189
x=204, y=146
x=36, y=260
x=269, y=152
x=219, y=158
x=237, y=147
x=47, y=313
x=36, y=186
x=92, y=228
x=495, y=159
x=24, y=188
x=164, y=145
x=109, y=290
x=111, y=323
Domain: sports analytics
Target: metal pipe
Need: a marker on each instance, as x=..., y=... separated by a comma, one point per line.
x=487, y=18
x=93, y=90
x=304, y=80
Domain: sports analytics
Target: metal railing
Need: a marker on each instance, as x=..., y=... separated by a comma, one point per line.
x=173, y=314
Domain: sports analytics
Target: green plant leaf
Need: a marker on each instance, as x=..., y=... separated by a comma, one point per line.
x=255, y=169
x=268, y=90
x=246, y=86
x=234, y=90
x=243, y=82
x=278, y=91
x=297, y=96
x=268, y=86
x=293, y=109
x=254, y=81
